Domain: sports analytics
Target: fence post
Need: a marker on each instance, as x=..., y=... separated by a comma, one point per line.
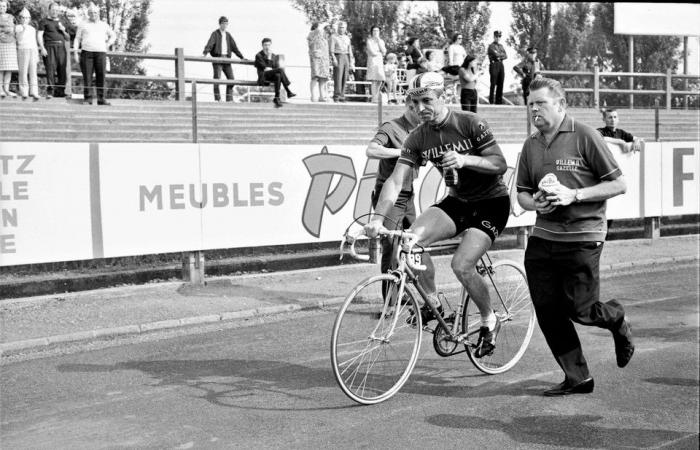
x=669, y=88
x=656, y=120
x=380, y=113
x=193, y=267
x=652, y=227
x=180, y=73
x=596, y=87
x=522, y=236
x=195, y=133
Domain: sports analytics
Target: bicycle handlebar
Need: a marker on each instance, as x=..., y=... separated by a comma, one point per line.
x=408, y=240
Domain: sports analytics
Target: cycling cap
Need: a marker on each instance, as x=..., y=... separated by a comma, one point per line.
x=420, y=84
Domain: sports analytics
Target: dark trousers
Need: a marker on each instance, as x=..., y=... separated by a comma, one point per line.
x=55, y=63
x=564, y=285
x=93, y=62
x=400, y=216
x=340, y=76
x=228, y=71
x=469, y=98
x=498, y=74
x=277, y=77
x=526, y=88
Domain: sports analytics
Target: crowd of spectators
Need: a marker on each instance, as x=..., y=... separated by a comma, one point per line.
x=54, y=38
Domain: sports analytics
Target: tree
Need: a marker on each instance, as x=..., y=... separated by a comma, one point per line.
x=471, y=19
x=319, y=10
x=531, y=27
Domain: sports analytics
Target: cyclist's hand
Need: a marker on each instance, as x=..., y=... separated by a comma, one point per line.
x=542, y=205
x=373, y=228
x=452, y=160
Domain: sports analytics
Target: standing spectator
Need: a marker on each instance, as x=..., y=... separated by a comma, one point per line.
x=563, y=254
x=386, y=146
x=391, y=69
x=221, y=45
x=27, y=56
x=8, y=50
x=414, y=53
x=527, y=70
x=375, y=49
x=455, y=51
x=320, y=61
x=469, y=97
x=72, y=29
x=342, y=59
x=269, y=70
x=496, y=54
x=52, y=45
x=92, y=40
x=617, y=135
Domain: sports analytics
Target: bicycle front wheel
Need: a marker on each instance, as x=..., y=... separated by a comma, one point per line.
x=376, y=339
x=510, y=299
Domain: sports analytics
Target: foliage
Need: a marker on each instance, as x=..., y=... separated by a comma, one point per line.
x=531, y=27
x=471, y=19
x=319, y=10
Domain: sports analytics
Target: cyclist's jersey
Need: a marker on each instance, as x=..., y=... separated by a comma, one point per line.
x=467, y=134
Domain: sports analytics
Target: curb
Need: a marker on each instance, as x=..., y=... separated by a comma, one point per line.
x=10, y=348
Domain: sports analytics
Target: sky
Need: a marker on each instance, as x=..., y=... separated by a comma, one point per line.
x=188, y=24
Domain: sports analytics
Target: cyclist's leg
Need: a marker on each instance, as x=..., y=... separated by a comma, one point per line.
x=473, y=246
x=431, y=226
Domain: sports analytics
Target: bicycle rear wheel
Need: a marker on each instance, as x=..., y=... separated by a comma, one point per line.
x=375, y=342
x=510, y=299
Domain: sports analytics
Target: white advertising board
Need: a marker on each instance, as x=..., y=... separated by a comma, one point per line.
x=680, y=167
x=149, y=198
x=669, y=19
x=44, y=202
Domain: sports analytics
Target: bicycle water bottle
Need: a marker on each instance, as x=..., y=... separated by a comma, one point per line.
x=451, y=177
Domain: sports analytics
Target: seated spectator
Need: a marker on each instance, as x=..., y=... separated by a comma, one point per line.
x=617, y=135
x=221, y=45
x=27, y=56
x=270, y=70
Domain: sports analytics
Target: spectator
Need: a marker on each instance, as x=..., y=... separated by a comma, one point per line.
x=52, y=45
x=72, y=29
x=496, y=54
x=342, y=59
x=403, y=61
x=414, y=53
x=433, y=58
x=469, y=97
x=375, y=50
x=617, y=135
x=455, y=51
x=527, y=70
x=391, y=69
x=27, y=56
x=563, y=254
x=221, y=45
x=92, y=40
x=320, y=61
x=270, y=70
x=8, y=50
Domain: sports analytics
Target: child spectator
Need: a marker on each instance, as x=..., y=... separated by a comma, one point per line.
x=391, y=68
x=27, y=56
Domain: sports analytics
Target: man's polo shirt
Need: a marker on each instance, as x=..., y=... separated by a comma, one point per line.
x=579, y=157
x=617, y=133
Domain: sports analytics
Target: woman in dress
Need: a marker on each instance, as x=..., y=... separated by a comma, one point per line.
x=320, y=61
x=375, y=50
x=8, y=50
x=456, y=52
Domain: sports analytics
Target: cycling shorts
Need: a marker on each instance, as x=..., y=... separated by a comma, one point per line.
x=488, y=215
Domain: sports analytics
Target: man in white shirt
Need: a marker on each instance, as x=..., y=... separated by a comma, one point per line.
x=91, y=43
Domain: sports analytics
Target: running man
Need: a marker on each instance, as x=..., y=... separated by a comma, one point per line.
x=461, y=143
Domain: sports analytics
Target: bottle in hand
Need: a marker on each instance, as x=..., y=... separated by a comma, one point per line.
x=451, y=177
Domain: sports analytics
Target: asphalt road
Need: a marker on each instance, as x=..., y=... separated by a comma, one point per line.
x=269, y=385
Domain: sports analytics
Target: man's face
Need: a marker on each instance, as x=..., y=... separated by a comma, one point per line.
x=93, y=14
x=342, y=28
x=496, y=38
x=223, y=26
x=53, y=11
x=72, y=18
x=266, y=46
x=429, y=105
x=532, y=56
x=3, y=7
x=611, y=119
x=546, y=109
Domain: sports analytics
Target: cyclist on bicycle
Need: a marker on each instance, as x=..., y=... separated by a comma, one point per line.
x=461, y=146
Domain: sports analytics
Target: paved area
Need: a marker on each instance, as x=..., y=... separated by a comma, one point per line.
x=42, y=322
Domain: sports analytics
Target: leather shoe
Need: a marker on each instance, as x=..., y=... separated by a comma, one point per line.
x=566, y=387
x=291, y=94
x=277, y=102
x=103, y=103
x=624, y=347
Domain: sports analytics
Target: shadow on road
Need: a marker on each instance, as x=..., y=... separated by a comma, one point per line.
x=570, y=431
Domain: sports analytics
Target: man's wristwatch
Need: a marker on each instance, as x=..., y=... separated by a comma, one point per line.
x=579, y=196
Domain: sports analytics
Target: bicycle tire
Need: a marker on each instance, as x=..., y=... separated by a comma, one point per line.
x=371, y=358
x=510, y=299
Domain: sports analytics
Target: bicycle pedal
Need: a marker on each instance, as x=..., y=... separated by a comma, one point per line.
x=428, y=329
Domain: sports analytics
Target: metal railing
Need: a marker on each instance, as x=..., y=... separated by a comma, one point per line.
x=596, y=76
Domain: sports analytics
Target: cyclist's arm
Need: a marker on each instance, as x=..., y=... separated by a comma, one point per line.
x=375, y=150
x=387, y=198
x=491, y=161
